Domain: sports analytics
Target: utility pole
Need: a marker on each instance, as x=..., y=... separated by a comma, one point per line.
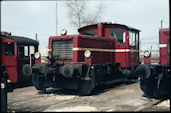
x=36, y=37
x=56, y=17
x=161, y=22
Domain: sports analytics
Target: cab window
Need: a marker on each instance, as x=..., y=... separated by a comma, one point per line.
x=89, y=32
x=32, y=51
x=23, y=51
x=137, y=40
x=132, y=38
x=9, y=49
x=120, y=34
x=26, y=51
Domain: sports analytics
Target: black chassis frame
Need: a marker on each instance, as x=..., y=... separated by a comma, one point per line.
x=157, y=85
x=84, y=79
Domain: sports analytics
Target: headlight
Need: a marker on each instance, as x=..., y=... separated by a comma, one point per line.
x=63, y=32
x=147, y=53
x=37, y=55
x=87, y=53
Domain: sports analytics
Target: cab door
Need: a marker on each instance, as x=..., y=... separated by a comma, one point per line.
x=121, y=46
x=25, y=56
x=134, y=48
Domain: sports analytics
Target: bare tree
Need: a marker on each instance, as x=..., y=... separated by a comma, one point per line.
x=80, y=15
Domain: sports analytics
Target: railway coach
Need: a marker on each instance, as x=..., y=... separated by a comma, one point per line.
x=102, y=53
x=17, y=51
x=155, y=78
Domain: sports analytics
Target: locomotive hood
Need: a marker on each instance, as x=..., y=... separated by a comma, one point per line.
x=71, y=48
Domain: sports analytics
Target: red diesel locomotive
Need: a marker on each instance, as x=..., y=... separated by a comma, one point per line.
x=155, y=78
x=102, y=53
x=17, y=51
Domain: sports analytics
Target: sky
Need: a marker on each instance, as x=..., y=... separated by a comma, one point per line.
x=27, y=18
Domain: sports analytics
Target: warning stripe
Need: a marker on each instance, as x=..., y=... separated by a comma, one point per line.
x=163, y=45
x=105, y=50
x=49, y=49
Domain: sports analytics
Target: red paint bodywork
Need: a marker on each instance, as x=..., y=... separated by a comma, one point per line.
x=14, y=64
x=102, y=40
x=10, y=61
x=147, y=60
x=38, y=61
x=81, y=41
x=164, y=36
x=126, y=59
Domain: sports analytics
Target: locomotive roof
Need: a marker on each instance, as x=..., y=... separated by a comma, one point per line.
x=164, y=29
x=21, y=40
x=109, y=23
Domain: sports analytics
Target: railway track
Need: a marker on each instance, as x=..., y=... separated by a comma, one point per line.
x=97, y=91
x=114, y=97
x=34, y=109
x=27, y=99
x=46, y=106
x=38, y=101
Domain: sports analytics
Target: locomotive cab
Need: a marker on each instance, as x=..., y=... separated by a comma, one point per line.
x=126, y=50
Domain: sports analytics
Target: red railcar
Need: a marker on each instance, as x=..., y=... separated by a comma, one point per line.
x=102, y=53
x=16, y=51
x=155, y=78
x=164, y=44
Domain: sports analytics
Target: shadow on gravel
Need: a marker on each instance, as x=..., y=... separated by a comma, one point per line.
x=132, y=81
x=96, y=91
x=22, y=85
x=56, y=91
x=104, y=88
